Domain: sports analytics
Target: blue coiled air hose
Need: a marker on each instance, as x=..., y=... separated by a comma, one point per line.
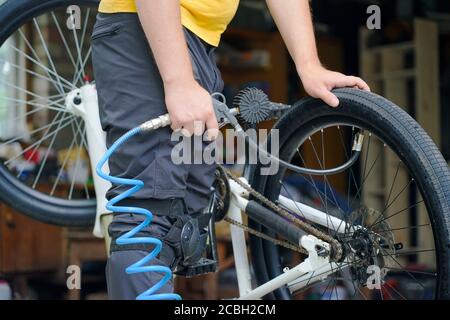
x=129, y=237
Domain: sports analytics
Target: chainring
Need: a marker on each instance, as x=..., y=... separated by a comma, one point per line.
x=222, y=194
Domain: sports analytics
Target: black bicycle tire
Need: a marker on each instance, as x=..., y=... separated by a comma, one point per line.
x=398, y=130
x=32, y=203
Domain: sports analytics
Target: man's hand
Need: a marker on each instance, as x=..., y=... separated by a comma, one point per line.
x=190, y=108
x=293, y=18
x=318, y=83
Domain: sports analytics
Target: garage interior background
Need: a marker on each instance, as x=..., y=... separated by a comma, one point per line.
x=407, y=61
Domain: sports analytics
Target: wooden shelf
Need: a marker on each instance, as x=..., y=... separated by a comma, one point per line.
x=393, y=75
x=403, y=46
x=26, y=245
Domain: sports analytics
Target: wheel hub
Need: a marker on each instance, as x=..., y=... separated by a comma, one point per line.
x=74, y=100
x=361, y=244
x=371, y=245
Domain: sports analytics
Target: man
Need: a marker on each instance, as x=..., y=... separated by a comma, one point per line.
x=154, y=56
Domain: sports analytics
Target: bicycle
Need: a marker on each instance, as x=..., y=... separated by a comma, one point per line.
x=349, y=228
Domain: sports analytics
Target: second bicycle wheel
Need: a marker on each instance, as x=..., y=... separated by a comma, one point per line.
x=399, y=192
x=44, y=164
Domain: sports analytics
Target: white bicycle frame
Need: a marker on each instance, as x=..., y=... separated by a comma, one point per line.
x=312, y=269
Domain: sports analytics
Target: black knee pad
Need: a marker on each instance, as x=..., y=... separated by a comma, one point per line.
x=188, y=237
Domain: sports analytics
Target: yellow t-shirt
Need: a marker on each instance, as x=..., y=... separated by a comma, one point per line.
x=208, y=19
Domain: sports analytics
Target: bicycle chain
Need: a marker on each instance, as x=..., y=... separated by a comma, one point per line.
x=335, y=244
x=278, y=242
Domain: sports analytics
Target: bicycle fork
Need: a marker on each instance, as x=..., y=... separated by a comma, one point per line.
x=84, y=103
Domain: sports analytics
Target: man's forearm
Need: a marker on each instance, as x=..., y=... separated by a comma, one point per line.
x=161, y=21
x=293, y=18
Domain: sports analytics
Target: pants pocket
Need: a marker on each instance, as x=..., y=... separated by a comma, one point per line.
x=105, y=30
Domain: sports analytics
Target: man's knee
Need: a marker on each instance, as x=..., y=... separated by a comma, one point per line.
x=123, y=286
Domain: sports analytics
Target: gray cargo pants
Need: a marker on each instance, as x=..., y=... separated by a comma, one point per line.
x=130, y=92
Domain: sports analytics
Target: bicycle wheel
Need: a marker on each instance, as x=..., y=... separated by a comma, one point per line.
x=399, y=191
x=45, y=54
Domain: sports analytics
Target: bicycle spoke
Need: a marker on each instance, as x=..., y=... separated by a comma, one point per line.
x=308, y=280
x=351, y=174
x=311, y=179
x=431, y=274
x=397, y=213
x=40, y=106
x=82, y=144
x=44, y=161
x=408, y=253
x=398, y=293
x=29, y=133
x=326, y=184
x=37, y=61
x=49, y=57
x=392, y=186
x=401, y=266
x=33, y=73
x=39, y=144
x=326, y=288
x=83, y=33
x=361, y=293
x=72, y=184
x=367, y=155
x=76, y=132
x=358, y=192
x=289, y=195
x=77, y=46
x=42, y=66
x=63, y=165
x=23, y=90
x=386, y=208
x=63, y=38
x=406, y=228
x=81, y=71
x=398, y=195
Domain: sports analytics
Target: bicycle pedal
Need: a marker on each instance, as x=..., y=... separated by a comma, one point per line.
x=203, y=266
